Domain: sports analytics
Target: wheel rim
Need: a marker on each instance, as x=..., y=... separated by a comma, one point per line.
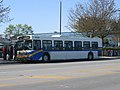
x=90, y=57
x=45, y=58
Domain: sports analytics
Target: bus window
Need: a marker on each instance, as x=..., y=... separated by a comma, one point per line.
x=24, y=45
x=94, y=45
x=28, y=43
x=68, y=45
x=78, y=45
x=86, y=45
x=47, y=44
x=37, y=44
x=58, y=45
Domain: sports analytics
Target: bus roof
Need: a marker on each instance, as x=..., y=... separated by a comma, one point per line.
x=65, y=35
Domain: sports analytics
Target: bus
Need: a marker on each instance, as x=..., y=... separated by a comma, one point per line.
x=48, y=47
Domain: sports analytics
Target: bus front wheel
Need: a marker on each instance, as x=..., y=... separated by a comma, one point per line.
x=90, y=56
x=46, y=58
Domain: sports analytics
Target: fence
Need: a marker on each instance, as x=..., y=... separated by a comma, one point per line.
x=111, y=51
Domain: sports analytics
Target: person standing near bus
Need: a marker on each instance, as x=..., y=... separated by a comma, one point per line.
x=15, y=51
x=10, y=52
x=4, y=50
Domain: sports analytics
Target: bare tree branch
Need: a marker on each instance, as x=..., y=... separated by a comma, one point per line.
x=4, y=11
x=96, y=17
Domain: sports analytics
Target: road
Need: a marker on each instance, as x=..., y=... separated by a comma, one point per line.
x=85, y=75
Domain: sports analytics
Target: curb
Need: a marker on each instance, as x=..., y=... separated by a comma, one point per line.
x=6, y=61
x=12, y=61
x=111, y=57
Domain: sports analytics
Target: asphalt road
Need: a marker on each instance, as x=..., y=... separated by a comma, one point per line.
x=86, y=75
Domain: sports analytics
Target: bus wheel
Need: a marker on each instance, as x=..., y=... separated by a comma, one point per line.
x=90, y=56
x=46, y=58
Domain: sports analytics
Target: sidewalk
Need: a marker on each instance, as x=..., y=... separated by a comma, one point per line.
x=111, y=57
x=6, y=61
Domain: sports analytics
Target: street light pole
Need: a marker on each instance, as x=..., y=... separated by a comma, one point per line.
x=60, y=16
x=119, y=30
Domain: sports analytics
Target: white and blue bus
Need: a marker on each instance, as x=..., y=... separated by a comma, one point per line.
x=46, y=47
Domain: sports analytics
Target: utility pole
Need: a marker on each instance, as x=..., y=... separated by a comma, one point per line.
x=60, y=16
x=119, y=30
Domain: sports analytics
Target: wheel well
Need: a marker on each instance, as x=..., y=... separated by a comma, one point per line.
x=91, y=53
x=46, y=53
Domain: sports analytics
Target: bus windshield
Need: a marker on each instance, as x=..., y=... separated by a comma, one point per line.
x=24, y=45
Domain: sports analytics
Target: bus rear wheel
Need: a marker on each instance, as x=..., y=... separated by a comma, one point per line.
x=90, y=56
x=46, y=58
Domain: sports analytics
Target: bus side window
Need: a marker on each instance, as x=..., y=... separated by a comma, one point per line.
x=78, y=45
x=86, y=45
x=47, y=44
x=94, y=45
x=58, y=45
x=37, y=44
x=68, y=45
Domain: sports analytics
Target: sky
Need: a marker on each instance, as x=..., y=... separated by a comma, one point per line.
x=42, y=15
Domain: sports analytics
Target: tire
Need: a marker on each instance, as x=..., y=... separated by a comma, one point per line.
x=90, y=56
x=46, y=58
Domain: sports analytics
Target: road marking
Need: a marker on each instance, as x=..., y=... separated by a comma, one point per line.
x=89, y=74
x=2, y=85
x=52, y=77
x=97, y=69
x=10, y=78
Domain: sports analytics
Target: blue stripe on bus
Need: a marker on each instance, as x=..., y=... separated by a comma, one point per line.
x=36, y=55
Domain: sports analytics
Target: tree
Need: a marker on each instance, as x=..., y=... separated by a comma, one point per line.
x=19, y=29
x=9, y=31
x=27, y=30
x=4, y=11
x=94, y=18
x=116, y=30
